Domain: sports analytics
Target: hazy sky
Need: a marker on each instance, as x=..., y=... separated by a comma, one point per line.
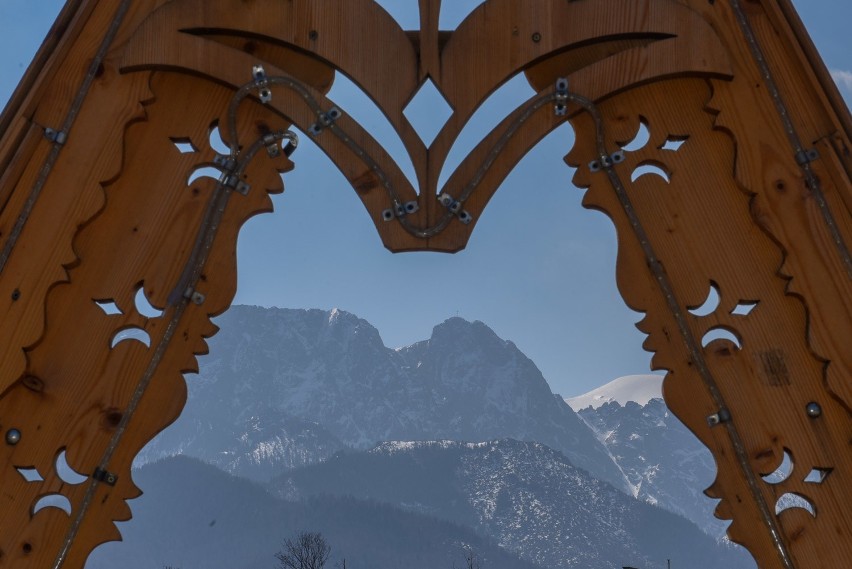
x=539, y=268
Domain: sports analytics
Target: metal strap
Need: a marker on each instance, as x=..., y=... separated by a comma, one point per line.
x=179, y=302
x=695, y=352
x=803, y=156
x=58, y=142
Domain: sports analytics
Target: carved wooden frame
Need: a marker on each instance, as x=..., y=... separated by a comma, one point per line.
x=114, y=256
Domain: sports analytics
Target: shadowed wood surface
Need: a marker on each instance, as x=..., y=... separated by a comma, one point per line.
x=119, y=221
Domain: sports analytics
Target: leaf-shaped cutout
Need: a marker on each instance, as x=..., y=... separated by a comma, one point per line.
x=818, y=475
x=109, y=307
x=216, y=141
x=184, y=145
x=203, y=172
x=66, y=473
x=720, y=333
x=783, y=472
x=454, y=13
x=650, y=168
x=643, y=135
x=791, y=500
x=366, y=113
x=405, y=13
x=29, y=474
x=53, y=501
x=143, y=306
x=673, y=143
x=428, y=111
x=132, y=333
x=710, y=304
x=744, y=308
x=511, y=95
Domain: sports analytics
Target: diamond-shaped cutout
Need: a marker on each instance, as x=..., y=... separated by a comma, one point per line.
x=109, y=307
x=428, y=112
x=744, y=308
x=30, y=474
x=818, y=475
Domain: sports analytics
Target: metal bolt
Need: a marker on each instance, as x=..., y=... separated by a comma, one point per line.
x=723, y=416
x=198, y=298
x=536, y=37
x=814, y=410
x=13, y=437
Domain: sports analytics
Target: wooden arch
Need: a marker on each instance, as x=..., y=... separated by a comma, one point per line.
x=100, y=214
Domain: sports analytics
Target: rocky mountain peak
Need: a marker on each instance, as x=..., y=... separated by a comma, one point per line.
x=331, y=368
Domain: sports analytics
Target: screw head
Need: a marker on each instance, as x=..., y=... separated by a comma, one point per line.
x=813, y=409
x=536, y=37
x=13, y=437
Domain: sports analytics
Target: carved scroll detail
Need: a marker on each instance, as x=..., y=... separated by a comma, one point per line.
x=753, y=335
x=78, y=387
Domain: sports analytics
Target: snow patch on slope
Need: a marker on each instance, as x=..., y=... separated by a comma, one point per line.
x=638, y=388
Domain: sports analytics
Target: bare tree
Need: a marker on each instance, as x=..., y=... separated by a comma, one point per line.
x=471, y=561
x=308, y=551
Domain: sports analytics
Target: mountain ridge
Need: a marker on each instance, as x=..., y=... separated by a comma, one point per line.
x=330, y=368
x=526, y=496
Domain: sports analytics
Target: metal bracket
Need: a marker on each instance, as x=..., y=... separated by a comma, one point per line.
x=325, y=120
x=105, y=476
x=561, y=108
x=606, y=161
x=455, y=207
x=57, y=136
x=195, y=296
x=225, y=162
x=400, y=210
x=235, y=183
x=723, y=416
x=807, y=156
x=260, y=80
x=272, y=147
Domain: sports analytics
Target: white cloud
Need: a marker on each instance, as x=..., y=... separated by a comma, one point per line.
x=842, y=78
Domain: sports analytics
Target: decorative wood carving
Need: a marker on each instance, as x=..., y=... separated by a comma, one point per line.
x=114, y=253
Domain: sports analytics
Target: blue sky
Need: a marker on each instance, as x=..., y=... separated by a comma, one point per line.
x=552, y=292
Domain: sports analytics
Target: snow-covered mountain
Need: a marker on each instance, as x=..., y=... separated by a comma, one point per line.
x=309, y=399
x=636, y=388
x=665, y=464
x=282, y=388
x=527, y=497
